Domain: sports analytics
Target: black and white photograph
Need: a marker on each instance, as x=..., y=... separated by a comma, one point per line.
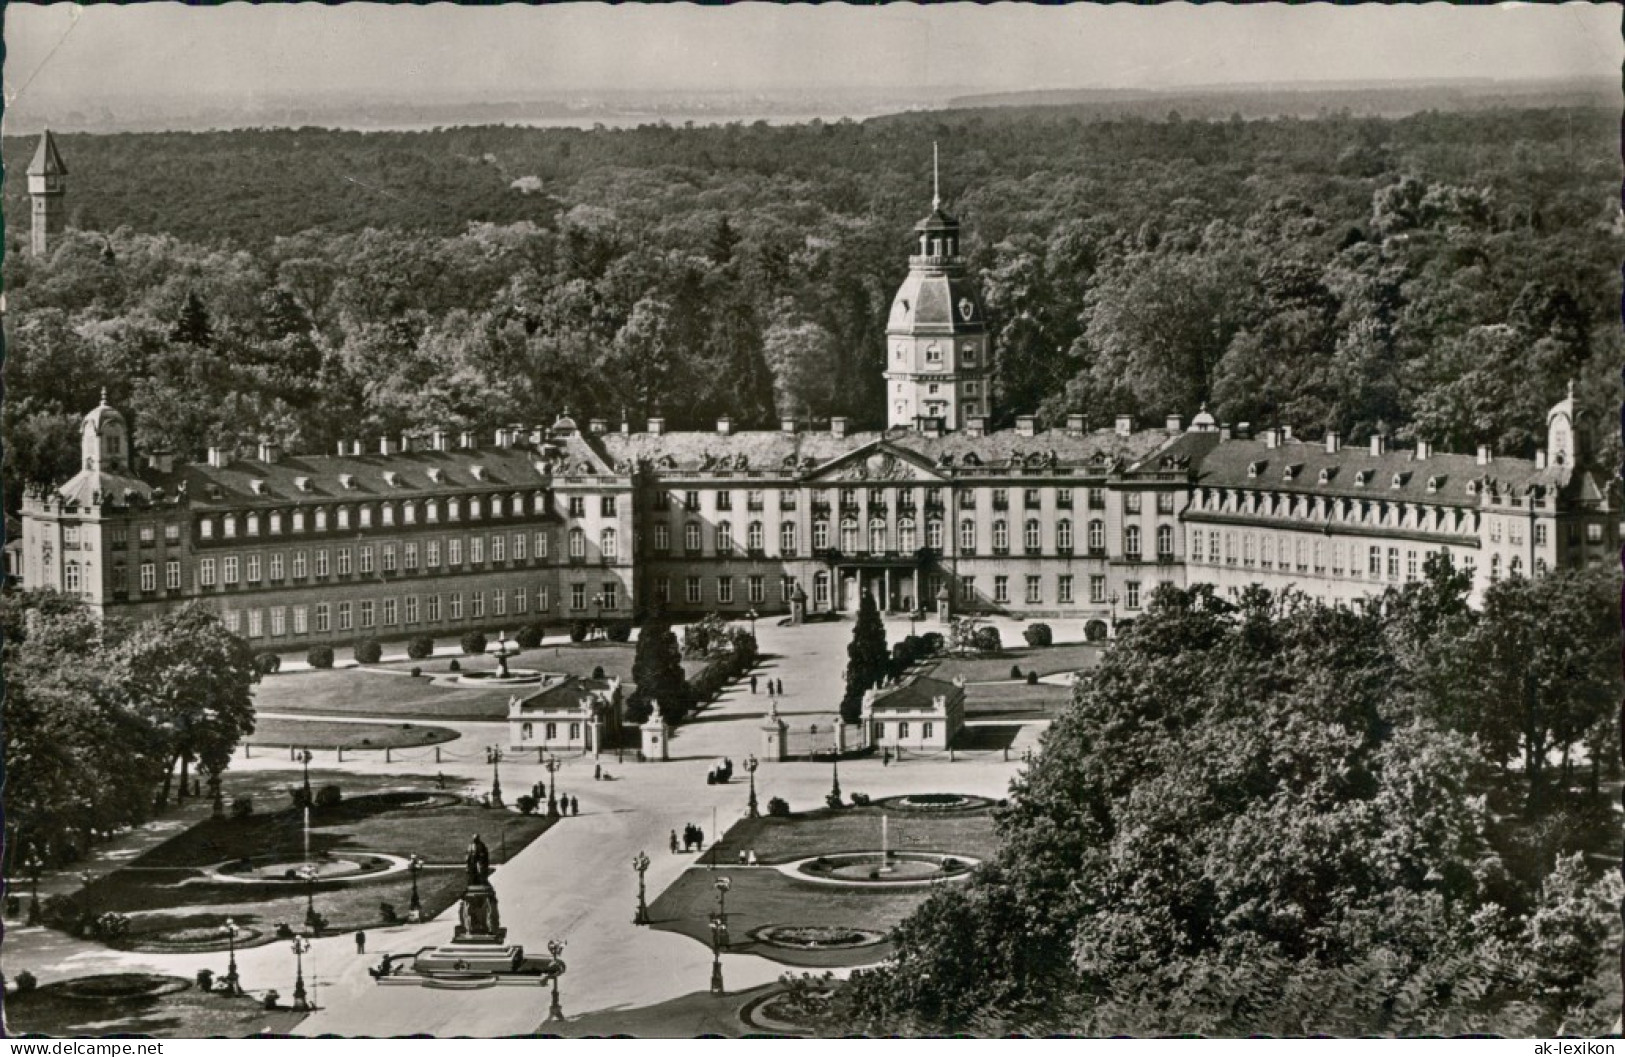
x=798, y=521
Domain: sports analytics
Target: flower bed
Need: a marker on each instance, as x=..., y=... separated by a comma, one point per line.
x=116, y=986
x=816, y=937
x=935, y=802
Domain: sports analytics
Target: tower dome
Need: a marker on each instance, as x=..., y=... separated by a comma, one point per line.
x=104, y=439
x=938, y=363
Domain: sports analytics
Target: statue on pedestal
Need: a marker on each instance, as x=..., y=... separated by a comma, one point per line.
x=478, y=915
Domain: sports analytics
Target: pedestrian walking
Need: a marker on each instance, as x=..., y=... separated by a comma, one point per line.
x=360, y=942
x=753, y=684
x=575, y=806
x=597, y=772
x=674, y=842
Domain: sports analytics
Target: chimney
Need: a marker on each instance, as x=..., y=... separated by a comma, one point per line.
x=502, y=436
x=161, y=460
x=270, y=451
x=439, y=440
x=1224, y=433
x=1540, y=459
x=406, y=443
x=388, y=446
x=1334, y=442
x=344, y=448
x=837, y=426
x=597, y=426
x=1484, y=457
x=1379, y=444
x=1026, y=425
x=466, y=441
x=725, y=425
x=1423, y=450
x=975, y=425
x=626, y=428
x=1272, y=438
x=788, y=425
x=657, y=426
x=219, y=458
x=1125, y=425
x=1286, y=433
x=355, y=447
x=1076, y=425
x=1175, y=424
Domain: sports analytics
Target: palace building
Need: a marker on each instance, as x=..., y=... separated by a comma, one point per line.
x=1076, y=520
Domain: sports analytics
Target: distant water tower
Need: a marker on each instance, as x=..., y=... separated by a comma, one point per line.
x=47, y=186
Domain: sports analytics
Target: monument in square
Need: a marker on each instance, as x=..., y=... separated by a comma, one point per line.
x=478, y=954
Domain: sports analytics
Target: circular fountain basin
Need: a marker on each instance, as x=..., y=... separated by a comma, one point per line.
x=491, y=679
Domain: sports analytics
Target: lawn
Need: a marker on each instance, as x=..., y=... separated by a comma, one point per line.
x=761, y=896
x=1045, y=660
x=1015, y=700
x=390, y=690
x=167, y=893
x=282, y=733
x=688, y=1017
x=183, y=1014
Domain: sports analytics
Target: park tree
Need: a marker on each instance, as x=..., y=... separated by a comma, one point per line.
x=868, y=658
x=657, y=675
x=192, y=679
x=1242, y=825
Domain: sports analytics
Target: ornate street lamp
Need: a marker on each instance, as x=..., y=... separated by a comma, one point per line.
x=835, y=764
x=751, y=763
x=232, y=987
x=751, y=616
x=1114, y=614
x=640, y=863
x=414, y=913
x=308, y=872
x=493, y=756
x=32, y=864
x=300, y=946
x=555, y=1012
x=719, y=935
x=87, y=878
x=552, y=764
x=305, y=757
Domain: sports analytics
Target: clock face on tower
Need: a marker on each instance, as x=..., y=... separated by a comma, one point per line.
x=967, y=308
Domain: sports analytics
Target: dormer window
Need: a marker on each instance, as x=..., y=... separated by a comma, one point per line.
x=1399, y=480
x=392, y=478
x=257, y=486
x=302, y=483
x=346, y=481
x=478, y=471
x=1362, y=478
x=344, y=517
x=1253, y=468
x=1472, y=487
x=1327, y=474
x=1290, y=473
x=436, y=475
x=1433, y=484
x=409, y=513
x=366, y=517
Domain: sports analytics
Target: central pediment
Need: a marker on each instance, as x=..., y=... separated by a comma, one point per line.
x=880, y=462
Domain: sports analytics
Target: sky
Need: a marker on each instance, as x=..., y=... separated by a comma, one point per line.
x=63, y=55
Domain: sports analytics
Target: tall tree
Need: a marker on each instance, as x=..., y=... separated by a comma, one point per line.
x=868, y=658
x=658, y=676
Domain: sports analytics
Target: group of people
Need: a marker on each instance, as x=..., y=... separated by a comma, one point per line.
x=693, y=839
x=775, y=687
x=721, y=774
x=568, y=805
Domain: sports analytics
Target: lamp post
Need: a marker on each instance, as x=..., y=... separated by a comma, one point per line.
x=555, y=1012
x=1114, y=613
x=719, y=933
x=300, y=946
x=305, y=757
x=751, y=616
x=640, y=863
x=552, y=764
x=87, y=878
x=751, y=763
x=232, y=987
x=33, y=864
x=414, y=913
x=308, y=872
x=493, y=756
x=597, y=617
x=835, y=763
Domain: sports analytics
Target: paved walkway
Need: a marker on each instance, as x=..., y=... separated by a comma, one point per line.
x=576, y=883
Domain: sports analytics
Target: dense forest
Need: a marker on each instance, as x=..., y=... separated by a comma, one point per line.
x=1440, y=275
x=1271, y=816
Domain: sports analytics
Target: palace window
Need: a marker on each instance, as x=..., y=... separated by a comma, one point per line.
x=519, y=546
x=725, y=500
x=755, y=592
x=1035, y=591
x=607, y=546
x=346, y=616
x=1063, y=535
x=499, y=546
x=691, y=590
x=820, y=535
x=662, y=539
x=391, y=615
x=1001, y=589
x=725, y=534
x=1131, y=541
x=787, y=539
x=1032, y=536
x=578, y=545
x=1001, y=537
x=906, y=541
x=1165, y=541
x=877, y=536
x=1097, y=536
x=454, y=551
x=366, y=558
x=1063, y=589
x=725, y=590
x=1131, y=594
x=849, y=537
x=691, y=537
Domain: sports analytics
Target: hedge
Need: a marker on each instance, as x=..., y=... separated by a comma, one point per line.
x=319, y=657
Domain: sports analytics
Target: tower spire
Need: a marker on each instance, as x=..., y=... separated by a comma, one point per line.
x=936, y=185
